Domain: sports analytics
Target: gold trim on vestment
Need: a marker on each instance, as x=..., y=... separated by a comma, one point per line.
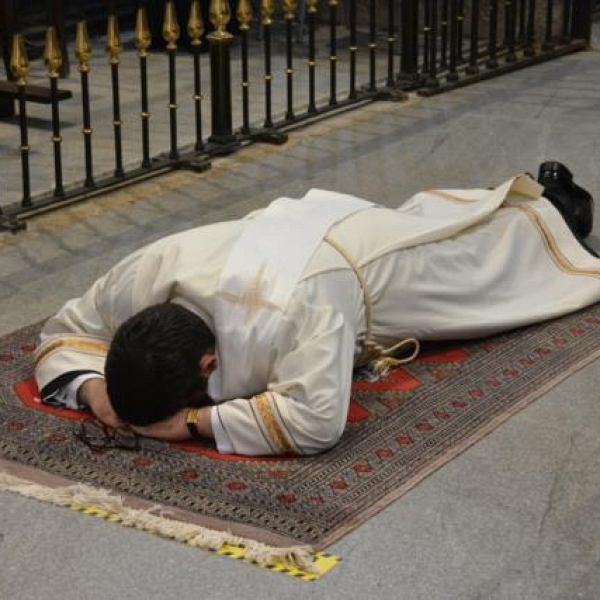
x=561, y=260
x=275, y=432
x=455, y=198
x=72, y=344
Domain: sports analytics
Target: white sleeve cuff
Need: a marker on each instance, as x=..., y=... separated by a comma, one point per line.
x=67, y=395
x=222, y=440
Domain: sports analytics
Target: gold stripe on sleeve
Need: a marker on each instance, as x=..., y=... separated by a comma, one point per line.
x=76, y=344
x=275, y=432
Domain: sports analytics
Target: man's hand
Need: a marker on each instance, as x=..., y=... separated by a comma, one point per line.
x=174, y=428
x=93, y=394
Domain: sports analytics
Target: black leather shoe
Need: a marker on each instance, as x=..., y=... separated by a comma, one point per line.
x=574, y=203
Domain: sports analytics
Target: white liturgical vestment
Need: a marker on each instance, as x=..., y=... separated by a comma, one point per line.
x=447, y=264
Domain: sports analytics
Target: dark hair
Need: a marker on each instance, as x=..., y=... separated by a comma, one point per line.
x=152, y=368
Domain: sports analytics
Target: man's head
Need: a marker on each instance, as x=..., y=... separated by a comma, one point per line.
x=158, y=363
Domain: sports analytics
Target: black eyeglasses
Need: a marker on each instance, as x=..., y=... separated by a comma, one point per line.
x=97, y=436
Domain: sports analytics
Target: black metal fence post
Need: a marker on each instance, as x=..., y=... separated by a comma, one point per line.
x=581, y=19
x=444, y=36
x=432, y=81
x=171, y=35
x=53, y=59
x=244, y=17
x=19, y=67
x=83, y=50
x=510, y=30
x=452, y=72
x=473, y=67
x=530, y=43
x=353, y=48
x=372, y=44
x=492, y=61
x=289, y=14
x=460, y=31
x=409, y=41
x=113, y=47
x=566, y=29
x=391, y=40
x=220, y=76
x=333, y=4
x=312, y=60
x=548, y=44
x=143, y=39
x=266, y=12
x=195, y=30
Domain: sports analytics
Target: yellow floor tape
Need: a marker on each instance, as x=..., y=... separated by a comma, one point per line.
x=323, y=562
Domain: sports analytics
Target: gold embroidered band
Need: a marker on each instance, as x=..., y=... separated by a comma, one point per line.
x=562, y=261
x=72, y=344
x=275, y=432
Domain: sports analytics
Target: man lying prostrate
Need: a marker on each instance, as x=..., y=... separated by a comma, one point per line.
x=247, y=332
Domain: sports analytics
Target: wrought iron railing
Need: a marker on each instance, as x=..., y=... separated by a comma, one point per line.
x=379, y=53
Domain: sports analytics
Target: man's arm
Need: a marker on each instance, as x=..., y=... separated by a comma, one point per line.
x=305, y=406
x=74, y=342
x=92, y=393
x=175, y=428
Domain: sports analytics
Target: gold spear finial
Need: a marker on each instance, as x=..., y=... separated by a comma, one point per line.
x=83, y=48
x=170, y=26
x=52, y=53
x=219, y=16
x=142, y=35
x=267, y=9
x=19, y=64
x=289, y=9
x=312, y=6
x=113, y=39
x=195, y=27
x=244, y=14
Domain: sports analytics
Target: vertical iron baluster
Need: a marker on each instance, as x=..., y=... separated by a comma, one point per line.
x=53, y=59
x=452, y=74
x=530, y=44
x=171, y=35
x=522, y=21
x=391, y=42
x=143, y=39
x=509, y=7
x=444, y=37
x=409, y=59
x=244, y=17
x=220, y=76
x=19, y=66
x=266, y=11
x=83, y=51
x=548, y=44
x=473, y=67
x=566, y=36
x=332, y=51
x=432, y=80
x=195, y=29
x=426, y=36
x=372, y=43
x=289, y=14
x=312, y=13
x=353, y=48
x=460, y=31
x=492, y=61
x=113, y=47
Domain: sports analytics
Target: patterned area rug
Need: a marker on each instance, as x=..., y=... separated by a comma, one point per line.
x=399, y=431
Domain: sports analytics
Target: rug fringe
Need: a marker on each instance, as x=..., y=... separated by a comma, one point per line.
x=100, y=501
